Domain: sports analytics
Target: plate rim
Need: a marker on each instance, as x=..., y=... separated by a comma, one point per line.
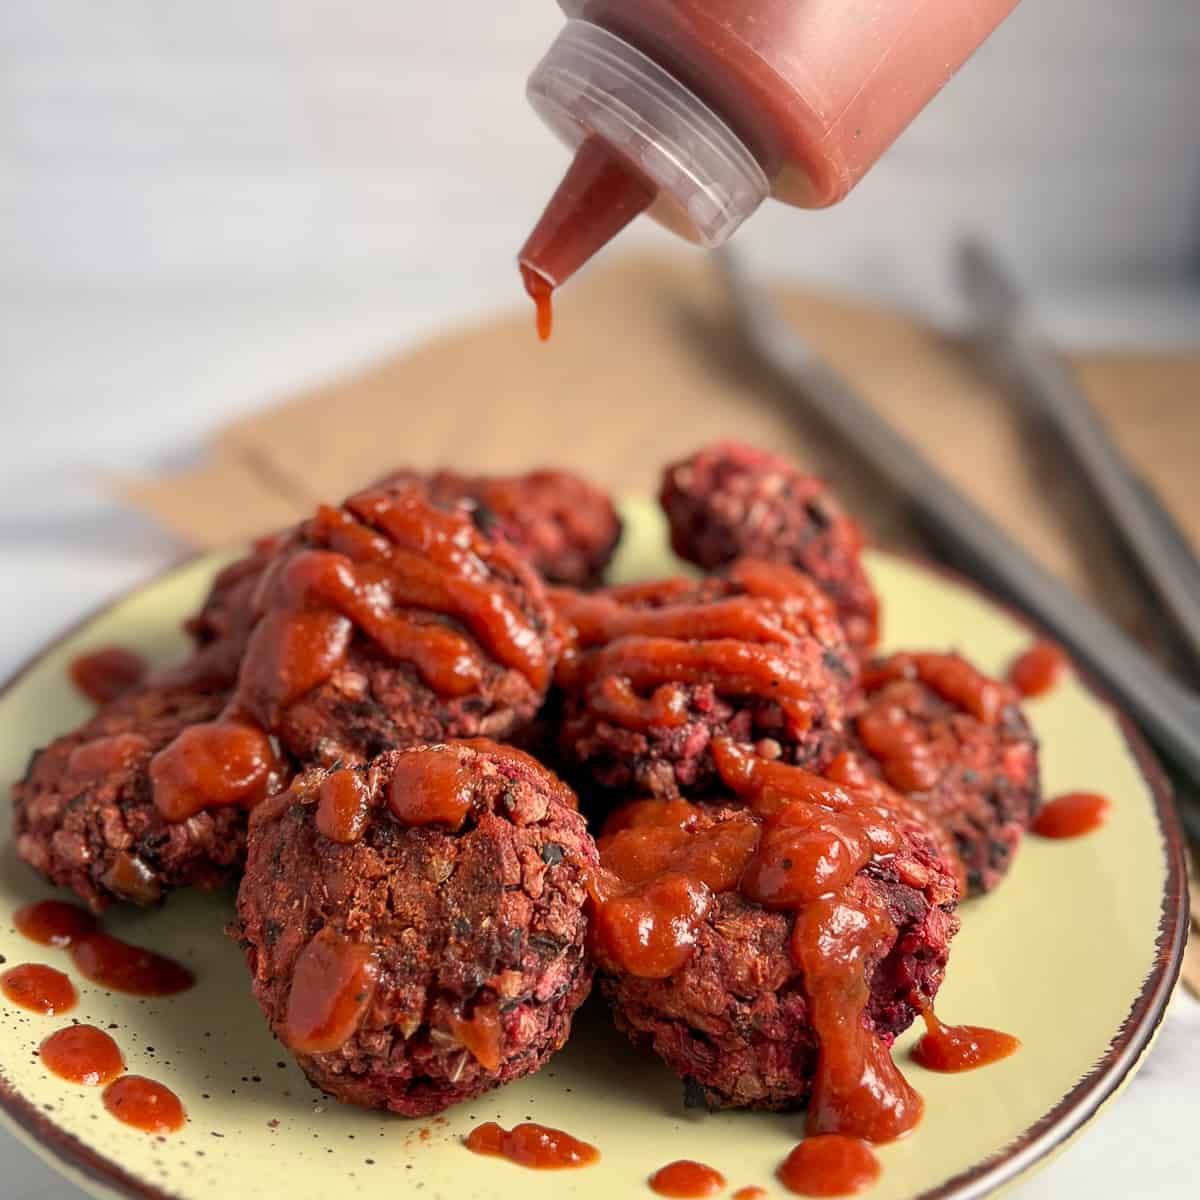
x=63, y=1150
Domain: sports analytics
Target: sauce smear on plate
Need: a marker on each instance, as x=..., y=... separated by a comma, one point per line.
x=115, y=964
x=54, y=922
x=530, y=1145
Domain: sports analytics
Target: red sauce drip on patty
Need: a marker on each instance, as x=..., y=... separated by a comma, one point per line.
x=952, y=1048
x=54, y=922
x=117, y=965
x=39, y=988
x=1035, y=671
x=332, y=987
x=650, y=931
x=82, y=1054
x=343, y=806
x=431, y=787
x=530, y=1145
x=91, y=760
x=858, y=1090
x=687, y=1179
x=103, y=675
x=144, y=1104
x=910, y=762
x=420, y=584
x=1072, y=815
x=829, y=1165
x=214, y=765
x=480, y=1034
x=890, y=723
x=798, y=850
x=635, y=649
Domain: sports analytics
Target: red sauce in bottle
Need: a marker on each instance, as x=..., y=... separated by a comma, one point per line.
x=82, y=1054
x=39, y=988
x=687, y=1179
x=952, y=1048
x=598, y=197
x=1035, y=671
x=103, y=675
x=811, y=93
x=145, y=1104
x=1072, y=815
x=332, y=987
x=421, y=584
x=530, y=1145
x=829, y=1165
x=54, y=922
x=117, y=965
x=343, y=806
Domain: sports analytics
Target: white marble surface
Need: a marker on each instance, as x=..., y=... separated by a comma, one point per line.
x=204, y=206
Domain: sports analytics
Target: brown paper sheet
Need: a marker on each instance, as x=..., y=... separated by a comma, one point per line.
x=642, y=368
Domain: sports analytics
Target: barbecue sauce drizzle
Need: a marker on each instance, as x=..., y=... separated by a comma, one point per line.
x=386, y=566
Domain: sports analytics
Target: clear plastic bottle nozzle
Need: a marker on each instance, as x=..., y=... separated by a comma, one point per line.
x=641, y=139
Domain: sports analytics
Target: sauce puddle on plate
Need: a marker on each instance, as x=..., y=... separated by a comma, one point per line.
x=145, y=1104
x=953, y=1048
x=1035, y=671
x=829, y=1164
x=1072, y=815
x=39, y=988
x=82, y=1054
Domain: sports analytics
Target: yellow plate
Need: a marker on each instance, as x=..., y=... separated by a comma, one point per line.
x=1076, y=954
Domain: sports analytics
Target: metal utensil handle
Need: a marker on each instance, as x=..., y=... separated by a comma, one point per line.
x=1146, y=528
x=1170, y=713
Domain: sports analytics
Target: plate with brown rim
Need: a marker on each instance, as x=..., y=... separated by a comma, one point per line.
x=1076, y=953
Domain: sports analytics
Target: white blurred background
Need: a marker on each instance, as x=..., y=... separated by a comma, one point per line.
x=203, y=204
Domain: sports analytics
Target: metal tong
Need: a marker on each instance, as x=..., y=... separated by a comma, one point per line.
x=1168, y=711
x=1007, y=336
